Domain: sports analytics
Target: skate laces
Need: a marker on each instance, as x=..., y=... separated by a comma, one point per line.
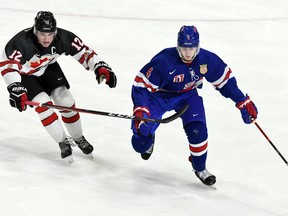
x=65, y=143
x=81, y=142
x=65, y=148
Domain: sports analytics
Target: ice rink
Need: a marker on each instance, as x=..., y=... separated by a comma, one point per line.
x=251, y=36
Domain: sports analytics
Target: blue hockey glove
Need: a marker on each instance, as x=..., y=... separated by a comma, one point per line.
x=248, y=109
x=138, y=126
x=103, y=71
x=18, y=96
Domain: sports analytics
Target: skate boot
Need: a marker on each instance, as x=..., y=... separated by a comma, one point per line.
x=146, y=155
x=206, y=177
x=66, y=150
x=84, y=145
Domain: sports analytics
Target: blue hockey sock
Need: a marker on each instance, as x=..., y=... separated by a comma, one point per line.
x=197, y=136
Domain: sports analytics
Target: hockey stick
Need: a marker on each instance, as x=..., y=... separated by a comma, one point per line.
x=270, y=142
x=110, y=114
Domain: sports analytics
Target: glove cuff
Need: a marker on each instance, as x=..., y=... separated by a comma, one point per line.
x=16, y=86
x=240, y=105
x=142, y=109
x=99, y=65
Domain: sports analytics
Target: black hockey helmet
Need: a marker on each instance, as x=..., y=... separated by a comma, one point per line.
x=45, y=22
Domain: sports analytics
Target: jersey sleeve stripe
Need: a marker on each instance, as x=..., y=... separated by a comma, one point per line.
x=9, y=66
x=141, y=81
x=8, y=70
x=223, y=79
x=90, y=56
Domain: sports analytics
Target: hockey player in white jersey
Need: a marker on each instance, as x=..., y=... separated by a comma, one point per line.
x=30, y=69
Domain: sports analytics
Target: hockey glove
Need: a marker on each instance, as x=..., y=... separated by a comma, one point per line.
x=140, y=127
x=248, y=109
x=103, y=71
x=18, y=96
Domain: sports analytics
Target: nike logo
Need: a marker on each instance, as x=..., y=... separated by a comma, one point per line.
x=60, y=78
x=195, y=115
x=172, y=72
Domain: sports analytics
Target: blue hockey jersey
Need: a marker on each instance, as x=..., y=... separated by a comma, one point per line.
x=166, y=75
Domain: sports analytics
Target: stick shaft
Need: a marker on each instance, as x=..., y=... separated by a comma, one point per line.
x=110, y=114
x=264, y=134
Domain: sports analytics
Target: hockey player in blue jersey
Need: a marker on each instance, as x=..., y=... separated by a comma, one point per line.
x=170, y=81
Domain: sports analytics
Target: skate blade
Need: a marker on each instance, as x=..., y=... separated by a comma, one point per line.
x=212, y=187
x=70, y=159
x=90, y=156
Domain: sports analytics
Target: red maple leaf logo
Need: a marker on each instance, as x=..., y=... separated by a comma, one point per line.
x=38, y=63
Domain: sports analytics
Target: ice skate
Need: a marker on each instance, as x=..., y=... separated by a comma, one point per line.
x=206, y=177
x=146, y=155
x=66, y=150
x=84, y=145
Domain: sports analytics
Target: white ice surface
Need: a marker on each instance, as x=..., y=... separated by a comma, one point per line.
x=249, y=35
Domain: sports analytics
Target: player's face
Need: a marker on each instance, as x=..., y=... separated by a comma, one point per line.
x=188, y=53
x=45, y=38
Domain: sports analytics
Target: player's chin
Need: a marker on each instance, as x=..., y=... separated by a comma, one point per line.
x=45, y=45
x=187, y=60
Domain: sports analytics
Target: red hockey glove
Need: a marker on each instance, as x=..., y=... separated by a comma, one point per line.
x=248, y=109
x=18, y=96
x=103, y=71
x=138, y=125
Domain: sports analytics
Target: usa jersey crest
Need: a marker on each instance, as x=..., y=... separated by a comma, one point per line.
x=203, y=68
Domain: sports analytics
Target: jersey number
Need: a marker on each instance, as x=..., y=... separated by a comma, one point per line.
x=78, y=44
x=16, y=55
